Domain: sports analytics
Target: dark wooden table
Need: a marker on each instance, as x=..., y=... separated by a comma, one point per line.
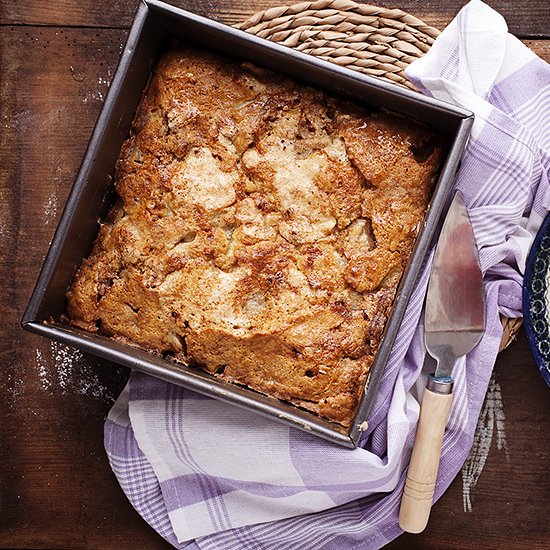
x=56, y=488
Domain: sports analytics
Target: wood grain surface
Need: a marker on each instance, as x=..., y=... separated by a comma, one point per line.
x=56, y=488
x=525, y=18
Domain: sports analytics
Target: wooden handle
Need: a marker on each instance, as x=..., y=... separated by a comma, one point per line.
x=419, y=487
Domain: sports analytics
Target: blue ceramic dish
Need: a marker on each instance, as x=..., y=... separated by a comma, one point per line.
x=536, y=299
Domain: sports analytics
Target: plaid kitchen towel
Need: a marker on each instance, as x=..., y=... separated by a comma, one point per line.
x=208, y=475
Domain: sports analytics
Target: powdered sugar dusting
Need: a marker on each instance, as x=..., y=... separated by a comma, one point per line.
x=45, y=382
x=491, y=420
x=50, y=209
x=89, y=384
x=94, y=95
x=99, y=93
x=71, y=373
x=65, y=360
x=15, y=385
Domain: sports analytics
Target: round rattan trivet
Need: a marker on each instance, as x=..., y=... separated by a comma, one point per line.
x=373, y=40
x=377, y=41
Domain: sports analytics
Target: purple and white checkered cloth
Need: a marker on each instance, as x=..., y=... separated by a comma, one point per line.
x=208, y=475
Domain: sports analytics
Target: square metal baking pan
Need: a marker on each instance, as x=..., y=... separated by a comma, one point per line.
x=154, y=26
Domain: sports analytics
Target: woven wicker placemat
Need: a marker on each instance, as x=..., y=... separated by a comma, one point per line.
x=377, y=41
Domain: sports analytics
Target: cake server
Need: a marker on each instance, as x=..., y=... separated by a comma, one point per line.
x=454, y=323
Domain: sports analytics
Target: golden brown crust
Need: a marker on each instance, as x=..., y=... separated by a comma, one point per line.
x=261, y=231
